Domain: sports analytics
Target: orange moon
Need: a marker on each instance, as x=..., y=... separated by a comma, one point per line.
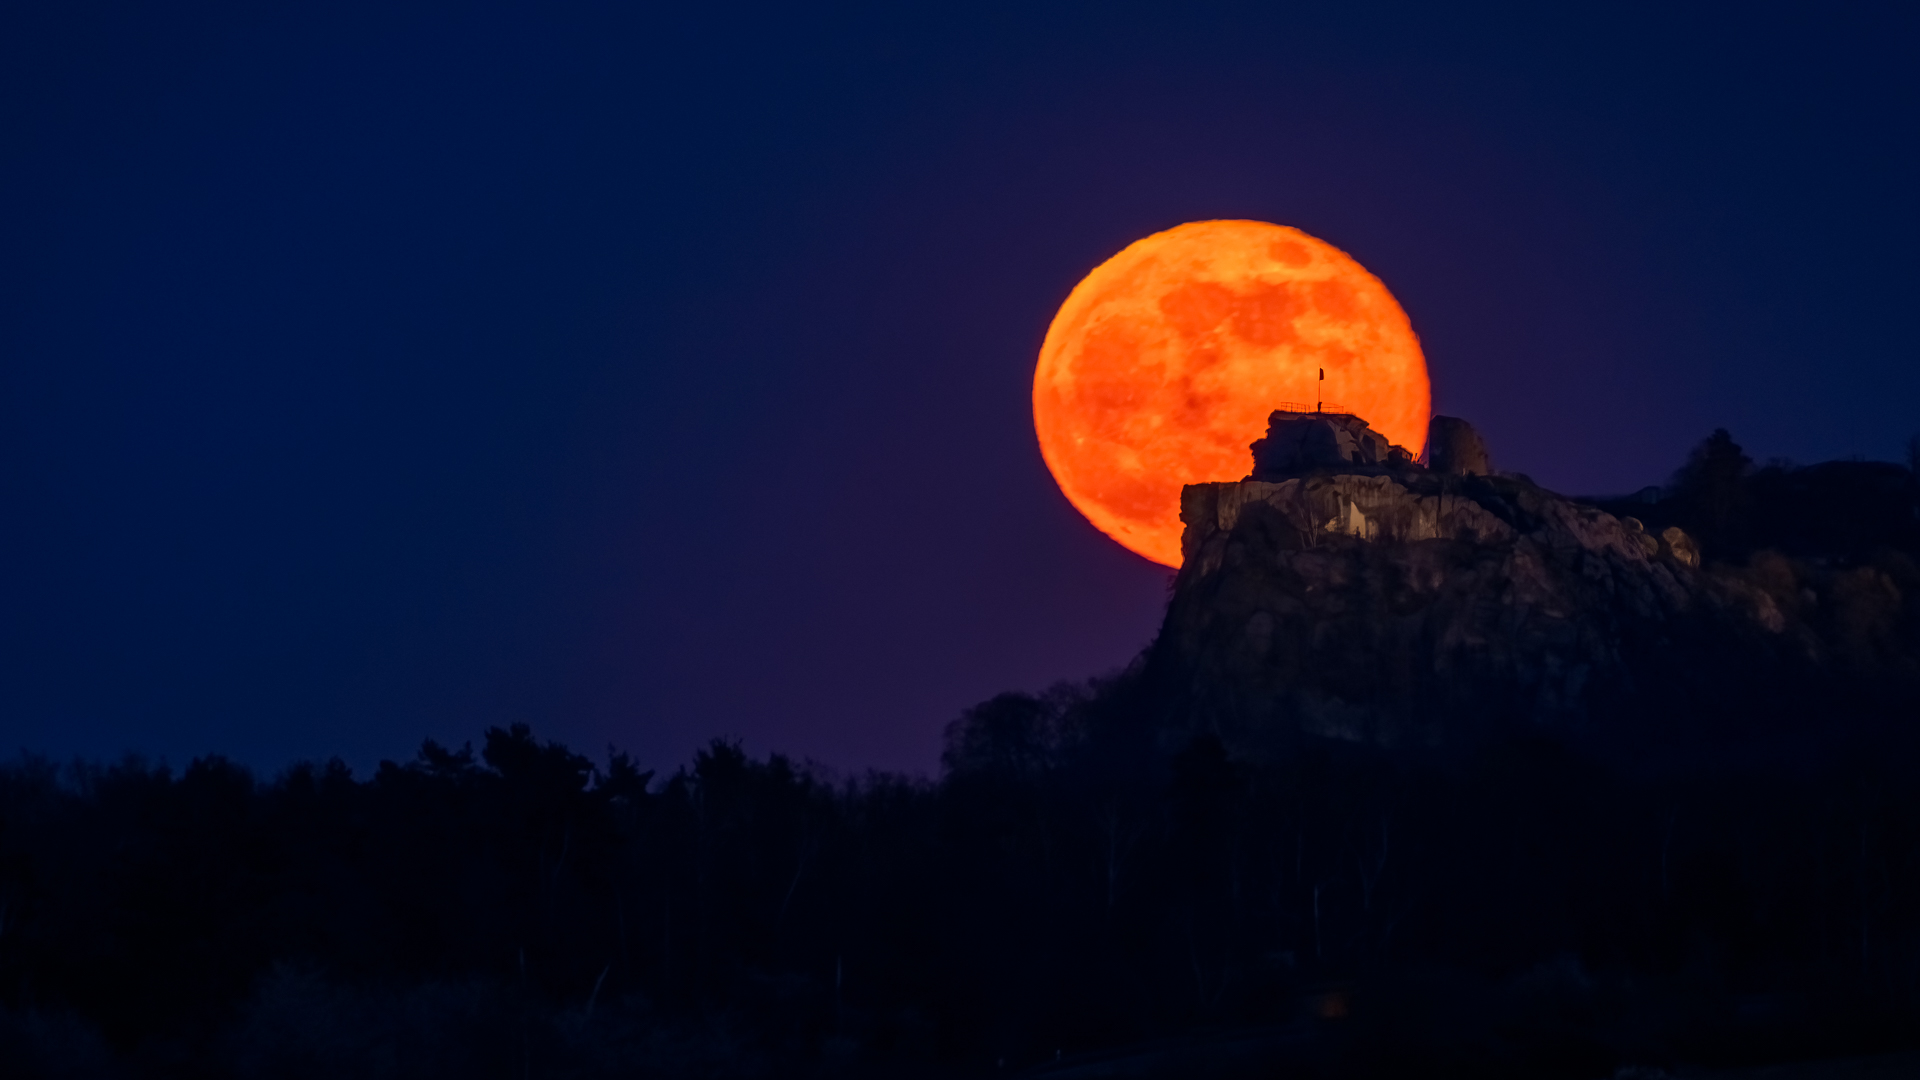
x=1164, y=362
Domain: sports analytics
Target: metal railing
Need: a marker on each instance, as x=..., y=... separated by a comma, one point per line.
x=1325, y=407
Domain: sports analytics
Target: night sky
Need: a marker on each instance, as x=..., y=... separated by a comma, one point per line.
x=650, y=374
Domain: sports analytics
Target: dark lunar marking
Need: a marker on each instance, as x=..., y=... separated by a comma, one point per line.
x=1290, y=253
x=1335, y=299
x=1264, y=314
x=1193, y=310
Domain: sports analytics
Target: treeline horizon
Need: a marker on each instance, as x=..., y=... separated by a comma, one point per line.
x=1524, y=910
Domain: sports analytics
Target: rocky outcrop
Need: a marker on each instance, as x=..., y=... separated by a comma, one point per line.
x=1403, y=606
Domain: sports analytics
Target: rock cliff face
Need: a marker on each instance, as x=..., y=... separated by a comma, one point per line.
x=1395, y=605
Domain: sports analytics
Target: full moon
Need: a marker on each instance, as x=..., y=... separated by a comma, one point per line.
x=1162, y=366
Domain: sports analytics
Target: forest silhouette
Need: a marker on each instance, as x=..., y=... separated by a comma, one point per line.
x=1067, y=898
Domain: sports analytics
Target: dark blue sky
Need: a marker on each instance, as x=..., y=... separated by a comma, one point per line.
x=650, y=374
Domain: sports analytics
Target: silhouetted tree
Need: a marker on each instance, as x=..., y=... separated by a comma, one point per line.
x=1013, y=735
x=1708, y=492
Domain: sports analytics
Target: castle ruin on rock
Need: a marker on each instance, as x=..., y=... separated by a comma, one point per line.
x=1299, y=439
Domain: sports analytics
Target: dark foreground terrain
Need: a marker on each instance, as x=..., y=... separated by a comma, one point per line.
x=1099, y=884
